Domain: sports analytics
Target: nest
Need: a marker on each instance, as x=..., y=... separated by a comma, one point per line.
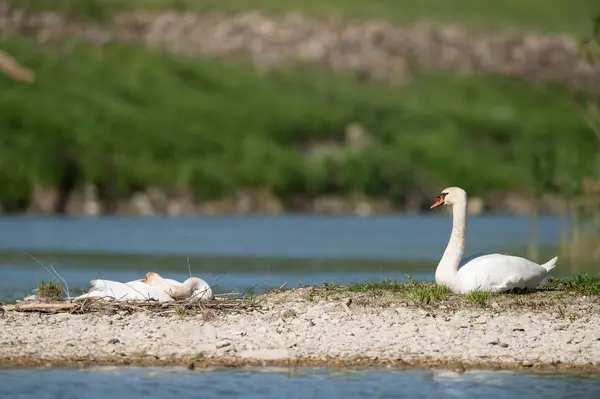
x=182, y=308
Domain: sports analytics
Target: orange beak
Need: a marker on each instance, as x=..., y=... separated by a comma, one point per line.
x=440, y=201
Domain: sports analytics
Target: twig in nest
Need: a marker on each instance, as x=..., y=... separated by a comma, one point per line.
x=39, y=306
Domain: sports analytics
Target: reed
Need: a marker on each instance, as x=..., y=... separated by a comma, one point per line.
x=578, y=180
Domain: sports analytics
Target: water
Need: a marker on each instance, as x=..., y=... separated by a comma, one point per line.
x=101, y=383
x=246, y=254
x=257, y=253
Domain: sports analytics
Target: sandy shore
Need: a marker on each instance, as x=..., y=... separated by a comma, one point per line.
x=306, y=327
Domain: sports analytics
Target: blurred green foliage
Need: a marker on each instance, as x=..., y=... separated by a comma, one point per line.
x=124, y=118
x=565, y=16
x=589, y=46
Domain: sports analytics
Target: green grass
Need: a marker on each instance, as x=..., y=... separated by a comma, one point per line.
x=125, y=118
x=533, y=15
x=49, y=291
x=180, y=311
x=428, y=293
x=419, y=292
x=583, y=284
x=479, y=298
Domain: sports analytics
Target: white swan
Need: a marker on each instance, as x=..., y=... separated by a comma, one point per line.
x=192, y=288
x=137, y=290
x=493, y=272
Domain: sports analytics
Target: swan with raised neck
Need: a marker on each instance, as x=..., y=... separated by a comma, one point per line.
x=492, y=272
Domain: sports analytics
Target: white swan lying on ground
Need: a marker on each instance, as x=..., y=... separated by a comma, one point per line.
x=193, y=287
x=493, y=272
x=137, y=290
x=153, y=287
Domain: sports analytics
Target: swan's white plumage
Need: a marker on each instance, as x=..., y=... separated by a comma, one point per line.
x=192, y=288
x=498, y=272
x=136, y=290
x=490, y=272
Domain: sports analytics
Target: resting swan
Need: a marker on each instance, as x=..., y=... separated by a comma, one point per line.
x=194, y=287
x=493, y=272
x=153, y=287
x=137, y=290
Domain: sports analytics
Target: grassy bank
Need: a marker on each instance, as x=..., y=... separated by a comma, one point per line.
x=431, y=294
x=124, y=118
x=563, y=17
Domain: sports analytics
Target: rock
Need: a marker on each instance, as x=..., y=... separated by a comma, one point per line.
x=222, y=344
x=288, y=313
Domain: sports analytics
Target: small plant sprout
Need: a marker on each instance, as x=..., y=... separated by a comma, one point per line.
x=180, y=310
x=50, y=291
x=250, y=299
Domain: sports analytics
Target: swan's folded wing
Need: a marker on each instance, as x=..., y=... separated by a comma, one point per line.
x=497, y=272
x=131, y=291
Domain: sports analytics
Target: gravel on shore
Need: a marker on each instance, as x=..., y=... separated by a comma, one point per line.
x=298, y=328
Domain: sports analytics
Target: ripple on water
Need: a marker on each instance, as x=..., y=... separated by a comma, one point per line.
x=250, y=383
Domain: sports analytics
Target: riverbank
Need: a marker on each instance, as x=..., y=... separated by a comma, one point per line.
x=336, y=116
x=419, y=326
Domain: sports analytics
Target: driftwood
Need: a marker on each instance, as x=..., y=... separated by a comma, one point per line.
x=39, y=306
x=10, y=67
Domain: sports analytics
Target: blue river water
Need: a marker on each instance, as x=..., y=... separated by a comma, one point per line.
x=102, y=383
x=249, y=253
x=254, y=254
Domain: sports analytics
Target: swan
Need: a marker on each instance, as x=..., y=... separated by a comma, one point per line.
x=136, y=290
x=193, y=287
x=491, y=272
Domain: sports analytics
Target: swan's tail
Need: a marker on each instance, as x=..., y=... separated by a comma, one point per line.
x=550, y=264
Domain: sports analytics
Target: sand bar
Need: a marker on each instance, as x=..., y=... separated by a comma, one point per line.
x=319, y=326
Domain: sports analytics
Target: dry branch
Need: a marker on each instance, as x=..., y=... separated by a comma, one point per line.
x=96, y=305
x=39, y=306
x=12, y=68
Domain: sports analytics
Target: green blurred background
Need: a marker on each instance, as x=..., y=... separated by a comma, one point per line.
x=126, y=116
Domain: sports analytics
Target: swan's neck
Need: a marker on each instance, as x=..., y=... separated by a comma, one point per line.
x=447, y=268
x=184, y=290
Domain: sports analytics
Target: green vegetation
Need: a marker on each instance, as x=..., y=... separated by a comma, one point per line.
x=583, y=284
x=50, y=291
x=479, y=298
x=125, y=118
x=422, y=293
x=533, y=15
x=429, y=293
x=180, y=311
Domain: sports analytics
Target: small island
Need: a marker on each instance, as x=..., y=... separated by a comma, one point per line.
x=404, y=324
